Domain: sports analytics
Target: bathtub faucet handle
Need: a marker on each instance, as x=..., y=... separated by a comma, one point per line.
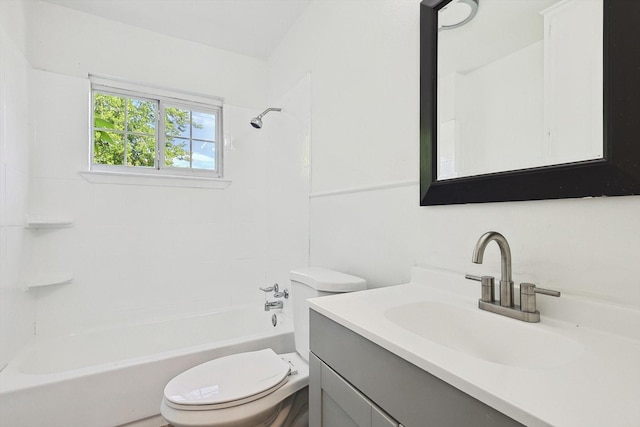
x=276, y=291
x=284, y=294
x=273, y=288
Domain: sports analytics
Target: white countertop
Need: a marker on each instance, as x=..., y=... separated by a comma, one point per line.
x=599, y=387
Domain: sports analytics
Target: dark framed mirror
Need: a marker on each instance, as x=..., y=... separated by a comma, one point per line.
x=615, y=173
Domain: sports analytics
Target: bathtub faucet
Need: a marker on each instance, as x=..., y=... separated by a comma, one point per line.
x=276, y=291
x=268, y=305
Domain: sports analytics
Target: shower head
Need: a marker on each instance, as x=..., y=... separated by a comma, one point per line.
x=256, y=122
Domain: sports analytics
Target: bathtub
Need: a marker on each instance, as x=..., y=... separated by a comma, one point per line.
x=117, y=376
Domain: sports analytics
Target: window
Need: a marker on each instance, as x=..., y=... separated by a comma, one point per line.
x=151, y=130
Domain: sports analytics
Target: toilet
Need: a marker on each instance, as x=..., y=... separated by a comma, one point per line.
x=258, y=388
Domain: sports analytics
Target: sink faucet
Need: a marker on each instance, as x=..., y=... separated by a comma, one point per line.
x=506, y=283
x=527, y=310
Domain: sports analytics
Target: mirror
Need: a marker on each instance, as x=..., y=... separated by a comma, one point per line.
x=533, y=98
x=528, y=99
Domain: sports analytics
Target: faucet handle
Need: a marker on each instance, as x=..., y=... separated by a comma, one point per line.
x=549, y=292
x=284, y=294
x=528, y=293
x=273, y=288
x=488, y=286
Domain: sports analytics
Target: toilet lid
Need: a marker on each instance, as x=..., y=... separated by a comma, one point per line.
x=229, y=381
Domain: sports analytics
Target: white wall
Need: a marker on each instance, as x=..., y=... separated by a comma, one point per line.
x=364, y=60
x=356, y=52
x=75, y=43
x=288, y=138
x=16, y=308
x=145, y=252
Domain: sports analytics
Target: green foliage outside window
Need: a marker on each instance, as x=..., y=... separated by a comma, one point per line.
x=134, y=132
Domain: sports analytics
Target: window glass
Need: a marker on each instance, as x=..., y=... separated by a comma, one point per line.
x=141, y=116
x=108, y=111
x=203, y=126
x=190, y=138
x=177, y=152
x=141, y=150
x=134, y=130
x=108, y=148
x=204, y=155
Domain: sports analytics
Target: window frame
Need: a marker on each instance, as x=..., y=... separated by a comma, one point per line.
x=162, y=97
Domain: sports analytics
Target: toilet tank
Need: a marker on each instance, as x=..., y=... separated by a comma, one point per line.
x=313, y=282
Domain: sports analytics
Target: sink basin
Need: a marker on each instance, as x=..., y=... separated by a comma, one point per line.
x=486, y=336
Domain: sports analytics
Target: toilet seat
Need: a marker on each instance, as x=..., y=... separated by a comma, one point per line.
x=279, y=400
x=228, y=381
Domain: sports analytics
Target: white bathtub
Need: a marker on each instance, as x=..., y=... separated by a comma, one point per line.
x=117, y=376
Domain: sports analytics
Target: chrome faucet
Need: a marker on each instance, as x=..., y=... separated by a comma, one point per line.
x=276, y=291
x=506, y=283
x=527, y=310
x=268, y=305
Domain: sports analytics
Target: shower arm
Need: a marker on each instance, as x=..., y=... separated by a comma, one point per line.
x=267, y=110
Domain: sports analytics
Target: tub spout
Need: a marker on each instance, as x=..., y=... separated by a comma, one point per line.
x=272, y=304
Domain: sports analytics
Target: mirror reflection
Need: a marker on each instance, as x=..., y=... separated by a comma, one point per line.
x=519, y=85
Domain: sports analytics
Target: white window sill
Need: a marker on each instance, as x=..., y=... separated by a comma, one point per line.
x=122, y=178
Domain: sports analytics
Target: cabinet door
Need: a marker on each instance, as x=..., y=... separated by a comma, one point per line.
x=333, y=402
x=379, y=418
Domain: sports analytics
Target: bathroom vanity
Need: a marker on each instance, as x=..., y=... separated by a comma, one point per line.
x=355, y=382
x=423, y=354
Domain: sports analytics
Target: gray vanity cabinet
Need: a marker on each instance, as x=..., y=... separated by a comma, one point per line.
x=336, y=403
x=355, y=382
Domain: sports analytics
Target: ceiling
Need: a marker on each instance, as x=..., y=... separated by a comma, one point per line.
x=248, y=27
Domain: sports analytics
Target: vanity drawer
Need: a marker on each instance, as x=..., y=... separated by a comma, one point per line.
x=336, y=403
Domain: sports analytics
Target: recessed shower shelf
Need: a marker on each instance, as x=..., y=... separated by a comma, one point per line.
x=53, y=281
x=48, y=223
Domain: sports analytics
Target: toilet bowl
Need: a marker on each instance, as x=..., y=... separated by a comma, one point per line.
x=245, y=389
x=259, y=388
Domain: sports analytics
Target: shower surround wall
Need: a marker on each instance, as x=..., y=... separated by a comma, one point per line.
x=365, y=218
x=16, y=308
x=139, y=253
